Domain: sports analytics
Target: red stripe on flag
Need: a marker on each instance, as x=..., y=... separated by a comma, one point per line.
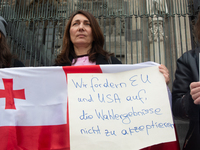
x=82, y=69
x=33, y=137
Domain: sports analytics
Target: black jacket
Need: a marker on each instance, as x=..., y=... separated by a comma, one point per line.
x=182, y=103
x=17, y=63
x=100, y=60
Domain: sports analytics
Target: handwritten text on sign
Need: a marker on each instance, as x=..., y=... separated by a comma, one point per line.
x=110, y=111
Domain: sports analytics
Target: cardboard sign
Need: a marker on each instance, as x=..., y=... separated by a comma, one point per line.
x=119, y=111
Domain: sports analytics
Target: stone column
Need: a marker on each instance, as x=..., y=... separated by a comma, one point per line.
x=156, y=33
x=156, y=6
x=134, y=32
x=181, y=28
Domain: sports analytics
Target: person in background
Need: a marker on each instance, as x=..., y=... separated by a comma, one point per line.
x=186, y=93
x=6, y=58
x=83, y=43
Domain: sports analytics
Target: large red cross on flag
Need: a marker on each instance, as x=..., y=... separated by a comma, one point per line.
x=33, y=106
x=10, y=94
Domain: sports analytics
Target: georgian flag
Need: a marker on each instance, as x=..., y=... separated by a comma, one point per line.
x=33, y=106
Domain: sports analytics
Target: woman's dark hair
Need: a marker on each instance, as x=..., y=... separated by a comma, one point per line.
x=5, y=54
x=197, y=28
x=97, y=45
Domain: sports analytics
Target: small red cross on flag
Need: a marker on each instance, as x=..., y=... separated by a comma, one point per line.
x=9, y=94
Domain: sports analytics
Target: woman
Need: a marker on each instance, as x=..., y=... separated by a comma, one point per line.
x=6, y=58
x=186, y=93
x=83, y=44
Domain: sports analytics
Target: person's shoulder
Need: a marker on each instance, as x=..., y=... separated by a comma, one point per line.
x=189, y=54
x=18, y=63
x=115, y=60
x=189, y=58
x=101, y=59
x=192, y=52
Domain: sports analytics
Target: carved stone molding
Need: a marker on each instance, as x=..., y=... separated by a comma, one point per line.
x=156, y=29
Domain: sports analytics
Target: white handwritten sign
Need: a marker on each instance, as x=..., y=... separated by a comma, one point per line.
x=119, y=111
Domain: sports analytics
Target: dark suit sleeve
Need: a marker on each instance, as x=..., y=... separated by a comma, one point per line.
x=182, y=103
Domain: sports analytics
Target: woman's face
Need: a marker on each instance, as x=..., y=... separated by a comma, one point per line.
x=81, y=32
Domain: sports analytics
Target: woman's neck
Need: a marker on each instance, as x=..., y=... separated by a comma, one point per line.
x=82, y=50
